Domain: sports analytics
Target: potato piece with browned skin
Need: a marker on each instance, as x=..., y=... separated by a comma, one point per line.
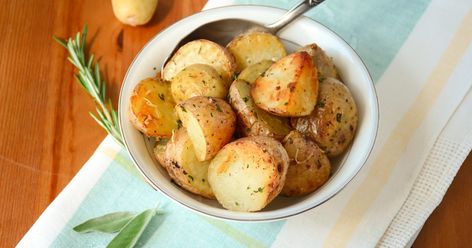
x=210, y=123
x=152, y=108
x=160, y=150
x=252, y=72
x=201, y=52
x=309, y=167
x=198, y=80
x=253, y=120
x=333, y=123
x=289, y=87
x=254, y=46
x=183, y=166
x=323, y=63
x=247, y=174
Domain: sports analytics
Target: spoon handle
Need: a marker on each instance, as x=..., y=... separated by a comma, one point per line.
x=293, y=13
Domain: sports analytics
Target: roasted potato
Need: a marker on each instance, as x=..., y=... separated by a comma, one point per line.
x=210, y=123
x=183, y=166
x=334, y=121
x=248, y=173
x=323, y=63
x=309, y=167
x=254, y=46
x=252, y=72
x=198, y=80
x=253, y=120
x=289, y=87
x=152, y=108
x=201, y=52
x=160, y=150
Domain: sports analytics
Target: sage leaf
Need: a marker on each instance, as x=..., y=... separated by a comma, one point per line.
x=108, y=223
x=129, y=235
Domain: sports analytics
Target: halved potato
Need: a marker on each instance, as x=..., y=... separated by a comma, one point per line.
x=152, y=108
x=210, y=123
x=289, y=87
x=252, y=72
x=183, y=166
x=309, y=167
x=323, y=63
x=334, y=121
x=247, y=174
x=254, y=46
x=198, y=80
x=160, y=150
x=201, y=52
x=253, y=120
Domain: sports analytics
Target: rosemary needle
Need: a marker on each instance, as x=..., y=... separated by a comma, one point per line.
x=88, y=75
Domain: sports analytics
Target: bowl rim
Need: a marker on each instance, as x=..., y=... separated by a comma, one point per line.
x=371, y=144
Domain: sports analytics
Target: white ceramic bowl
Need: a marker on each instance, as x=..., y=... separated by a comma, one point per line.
x=303, y=31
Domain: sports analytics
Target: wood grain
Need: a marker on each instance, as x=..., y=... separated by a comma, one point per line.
x=46, y=133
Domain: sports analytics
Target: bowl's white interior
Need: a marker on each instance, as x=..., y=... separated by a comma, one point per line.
x=303, y=31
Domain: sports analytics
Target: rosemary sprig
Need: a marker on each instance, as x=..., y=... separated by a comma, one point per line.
x=88, y=76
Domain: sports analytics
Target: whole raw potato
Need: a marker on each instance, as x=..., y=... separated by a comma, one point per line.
x=134, y=12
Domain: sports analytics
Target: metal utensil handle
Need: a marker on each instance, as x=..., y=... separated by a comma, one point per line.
x=291, y=14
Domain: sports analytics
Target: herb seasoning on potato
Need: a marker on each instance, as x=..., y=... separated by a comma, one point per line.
x=297, y=99
x=333, y=123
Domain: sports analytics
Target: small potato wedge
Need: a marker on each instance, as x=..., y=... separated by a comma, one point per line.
x=247, y=174
x=160, y=150
x=309, y=167
x=323, y=63
x=201, y=52
x=252, y=72
x=255, y=46
x=289, y=87
x=253, y=120
x=210, y=123
x=333, y=123
x=183, y=166
x=198, y=80
x=152, y=108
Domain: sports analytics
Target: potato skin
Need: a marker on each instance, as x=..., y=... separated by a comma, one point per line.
x=333, y=123
x=201, y=52
x=254, y=121
x=252, y=72
x=160, y=151
x=247, y=174
x=289, y=87
x=198, y=80
x=254, y=46
x=323, y=63
x=152, y=108
x=309, y=167
x=184, y=168
x=210, y=123
x=134, y=12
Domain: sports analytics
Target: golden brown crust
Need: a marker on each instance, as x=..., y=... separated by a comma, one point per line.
x=152, y=108
x=334, y=121
x=289, y=87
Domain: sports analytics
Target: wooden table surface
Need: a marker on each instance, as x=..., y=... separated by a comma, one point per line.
x=46, y=134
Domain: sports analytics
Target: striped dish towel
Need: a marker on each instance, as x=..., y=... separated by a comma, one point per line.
x=419, y=54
